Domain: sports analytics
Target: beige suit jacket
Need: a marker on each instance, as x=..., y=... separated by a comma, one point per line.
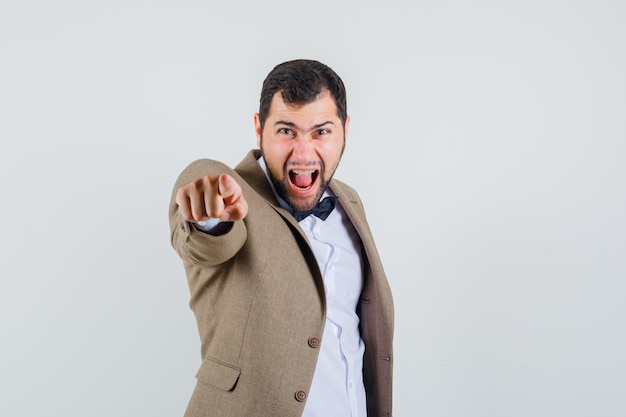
x=258, y=298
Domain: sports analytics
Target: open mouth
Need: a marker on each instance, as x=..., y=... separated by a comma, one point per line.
x=303, y=179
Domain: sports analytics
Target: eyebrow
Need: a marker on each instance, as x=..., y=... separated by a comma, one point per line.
x=292, y=124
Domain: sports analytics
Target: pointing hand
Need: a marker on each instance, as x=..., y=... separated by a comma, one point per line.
x=212, y=196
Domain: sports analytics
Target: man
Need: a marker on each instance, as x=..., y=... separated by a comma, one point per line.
x=294, y=310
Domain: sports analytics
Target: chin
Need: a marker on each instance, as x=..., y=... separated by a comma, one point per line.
x=299, y=201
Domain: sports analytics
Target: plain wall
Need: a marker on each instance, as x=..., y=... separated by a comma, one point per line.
x=488, y=142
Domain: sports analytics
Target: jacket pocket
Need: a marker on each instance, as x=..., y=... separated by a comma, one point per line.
x=218, y=374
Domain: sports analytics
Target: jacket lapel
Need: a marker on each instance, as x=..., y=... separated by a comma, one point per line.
x=254, y=176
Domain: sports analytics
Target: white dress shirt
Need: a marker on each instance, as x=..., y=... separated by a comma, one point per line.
x=337, y=389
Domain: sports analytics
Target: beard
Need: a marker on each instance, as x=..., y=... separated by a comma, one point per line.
x=282, y=188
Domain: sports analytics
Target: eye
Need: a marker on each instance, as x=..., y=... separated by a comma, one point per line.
x=285, y=131
x=323, y=132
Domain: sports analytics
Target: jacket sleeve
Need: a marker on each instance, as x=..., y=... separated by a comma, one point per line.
x=196, y=247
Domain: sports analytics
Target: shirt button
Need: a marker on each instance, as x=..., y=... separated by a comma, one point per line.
x=301, y=396
x=314, y=342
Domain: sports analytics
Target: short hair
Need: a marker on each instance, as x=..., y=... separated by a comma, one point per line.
x=300, y=82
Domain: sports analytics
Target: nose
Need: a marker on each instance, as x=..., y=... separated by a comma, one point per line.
x=303, y=149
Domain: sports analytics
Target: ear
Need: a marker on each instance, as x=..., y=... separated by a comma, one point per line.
x=257, y=129
x=346, y=128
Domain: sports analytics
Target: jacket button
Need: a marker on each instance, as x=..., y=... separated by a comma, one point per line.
x=314, y=342
x=301, y=396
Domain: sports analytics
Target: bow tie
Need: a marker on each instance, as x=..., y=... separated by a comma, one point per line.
x=321, y=210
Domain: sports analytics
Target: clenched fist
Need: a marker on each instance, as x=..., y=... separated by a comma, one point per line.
x=212, y=196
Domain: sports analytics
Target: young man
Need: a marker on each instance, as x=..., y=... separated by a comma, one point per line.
x=292, y=304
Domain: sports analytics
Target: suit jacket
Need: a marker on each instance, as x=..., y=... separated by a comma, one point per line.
x=258, y=298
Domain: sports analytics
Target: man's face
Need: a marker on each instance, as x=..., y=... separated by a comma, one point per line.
x=302, y=146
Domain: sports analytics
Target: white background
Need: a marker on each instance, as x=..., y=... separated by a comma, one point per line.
x=488, y=142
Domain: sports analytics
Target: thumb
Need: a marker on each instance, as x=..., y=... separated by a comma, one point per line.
x=228, y=188
x=235, y=205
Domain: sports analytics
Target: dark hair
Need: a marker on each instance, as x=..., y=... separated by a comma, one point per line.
x=300, y=82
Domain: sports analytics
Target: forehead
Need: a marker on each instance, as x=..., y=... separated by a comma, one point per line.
x=323, y=105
